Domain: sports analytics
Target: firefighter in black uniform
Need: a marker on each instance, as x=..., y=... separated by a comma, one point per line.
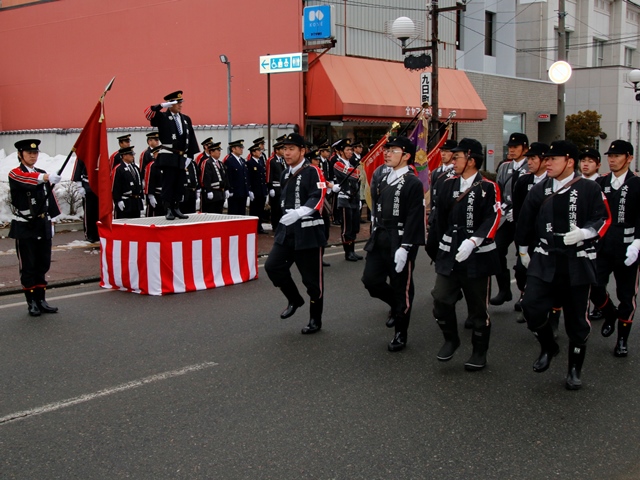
x=89, y=201
x=398, y=228
x=33, y=205
x=153, y=185
x=275, y=167
x=191, y=188
x=115, y=159
x=146, y=157
x=258, y=184
x=461, y=241
x=346, y=184
x=618, y=249
x=238, y=176
x=506, y=178
x=180, y=147
x=127, y=186
x=299, y=237
x=444, y=170
x=215, y=188
x=560, y=220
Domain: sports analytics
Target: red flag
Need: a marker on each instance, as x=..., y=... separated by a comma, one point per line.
x=374, y=158
x=435, y=155
x=91, y=148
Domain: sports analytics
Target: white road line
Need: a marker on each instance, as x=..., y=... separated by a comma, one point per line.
x=71, y=295
x=14, y=417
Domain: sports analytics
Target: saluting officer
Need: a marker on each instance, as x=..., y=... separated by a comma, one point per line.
x=461, y=241
x=127, y=186
x=153, y=185
x=346, y=183
x=238, y=175
x=146, y=157
x=115, y=159
x=179, y=148
x=275, y=167
x=506, y=178
x=33, y=205
x=258, y=183
x=215, y=187
x=618, y=249
x=560, y=220
x=299, y=237
x=398, y=228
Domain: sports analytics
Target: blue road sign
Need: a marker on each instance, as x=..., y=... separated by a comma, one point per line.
x=283, y=63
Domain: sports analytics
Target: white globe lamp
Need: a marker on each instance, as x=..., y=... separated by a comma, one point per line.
x=560, y=72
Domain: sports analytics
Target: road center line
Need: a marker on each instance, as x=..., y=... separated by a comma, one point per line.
x=14, y=417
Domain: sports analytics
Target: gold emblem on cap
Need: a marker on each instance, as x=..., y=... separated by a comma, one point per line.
x=33, y=145
x=179, y=95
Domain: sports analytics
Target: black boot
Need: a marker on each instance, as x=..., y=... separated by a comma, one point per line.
x=42, y=303
x=549, y=348
x=518, y=305
x=399, y=341
x=32, y=303
x=595, y=315
x=621, y=349
x=167, y=207
x=391, y=319
x=178, y=213
x=353, y=251
x=504, y=285
x=554, y=320
x=449, y=329
x=610, y=313
x=315, y=317
x=294, y=300
x=480, y=342
x=576, y=359
x=348, y=252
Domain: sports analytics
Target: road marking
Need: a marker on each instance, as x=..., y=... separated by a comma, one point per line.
x=61, y=297
x=14, y=417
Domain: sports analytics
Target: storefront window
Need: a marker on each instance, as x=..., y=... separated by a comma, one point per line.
x=511, y=123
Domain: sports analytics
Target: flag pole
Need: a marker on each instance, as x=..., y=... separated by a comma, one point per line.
x=444, y=124
x=405, y=129
x=73, y=149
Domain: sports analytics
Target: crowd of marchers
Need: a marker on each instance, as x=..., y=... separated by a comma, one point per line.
x=572, y=227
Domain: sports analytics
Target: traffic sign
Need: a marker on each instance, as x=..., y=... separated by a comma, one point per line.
x=284, y=63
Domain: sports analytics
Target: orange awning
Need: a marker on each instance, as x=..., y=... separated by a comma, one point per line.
x=342, y=87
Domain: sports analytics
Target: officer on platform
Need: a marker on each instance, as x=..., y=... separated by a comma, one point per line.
x=179, y=148
x=127, y=186
x=560, y=220
x=299, y=237
x=33, y=205
x=153, y=140
x=238, y=175
x=191, y=188
x=398, y=228
x=215, y=187
x=461, y=241
x=153, y=185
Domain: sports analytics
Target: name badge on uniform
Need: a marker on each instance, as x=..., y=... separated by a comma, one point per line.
x=321, y=185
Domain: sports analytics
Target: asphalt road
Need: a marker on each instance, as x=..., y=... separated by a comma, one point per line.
x=214, y=385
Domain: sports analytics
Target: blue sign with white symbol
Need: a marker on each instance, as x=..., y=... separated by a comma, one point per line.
x=319, y=22
x=284, y=63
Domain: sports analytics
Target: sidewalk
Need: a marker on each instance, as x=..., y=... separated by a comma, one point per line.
x=75, y=261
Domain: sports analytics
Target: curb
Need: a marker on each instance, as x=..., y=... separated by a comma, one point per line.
x=58, y=227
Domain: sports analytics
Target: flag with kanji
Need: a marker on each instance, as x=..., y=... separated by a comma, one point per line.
x=419, y=137
x=91, y=148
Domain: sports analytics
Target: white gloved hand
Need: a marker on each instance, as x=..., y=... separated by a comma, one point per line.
x=251, y=196
x=464, y=250
x=573, y=236
x=400, y=259
x=360, y=205
x=525, y=259
x=121, y=205
x=168, y=104
x=152, y=200
x=197, y=194
x=336, y=188
x=210, y=195
x=290, y=217
x=503, y=209
x=187, y=162
x=272, y=193
x=632, y=254
x=54, y=178
x=228, y=194
x=509, y=215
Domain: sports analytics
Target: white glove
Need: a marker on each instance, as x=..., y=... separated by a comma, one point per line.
x=80, y=189
x=525, y=259
x=251, y=196
x=632, y=253
x=152, y=200
x=54, y=178
x=290, y=217
x=272, y=193
x=121, y=205
x=187, y=162
x=228, y=194
x=400, y=259
x=464, y=250
x=574, y=236
x=168, y=104
x=509, y=215
x=210, y=195
x=360, y=205
x=336, y=188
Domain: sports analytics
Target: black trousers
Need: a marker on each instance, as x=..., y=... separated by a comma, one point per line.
x=158, y=211
x=276, y=210
x=520, y=274
x=309, y=264
x=446, y=293
x=173, y=180
x=540, y=297
x=91, y=216
x=626, y=285
x=504, y=239
x=188, y=205
x=34, y=260
x=237, y=205
x=132, y=207
x=350, y=224
x=398, y=291
x=211, y=206
x=256, y=208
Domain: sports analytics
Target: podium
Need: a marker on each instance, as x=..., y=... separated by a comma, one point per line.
x=155, y=256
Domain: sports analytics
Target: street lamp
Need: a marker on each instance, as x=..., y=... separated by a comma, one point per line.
x=634, y=77
x=224, y=59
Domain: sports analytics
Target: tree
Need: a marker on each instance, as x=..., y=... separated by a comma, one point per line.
x=582, y=128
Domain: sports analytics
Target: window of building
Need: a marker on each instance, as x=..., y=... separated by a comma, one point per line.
x=511, y=123
x=628, y=57
x=489, y=33
x=598, y=52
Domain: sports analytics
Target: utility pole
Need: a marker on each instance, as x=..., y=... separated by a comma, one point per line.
x=435, y=117
x=562, y=55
